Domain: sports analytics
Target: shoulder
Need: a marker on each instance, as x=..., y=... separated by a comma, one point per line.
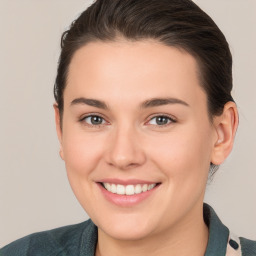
x=60, y=241
x=240, y=246
x=248, y=247
x=222, y=241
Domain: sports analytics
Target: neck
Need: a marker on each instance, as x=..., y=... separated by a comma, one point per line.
x=187, y=238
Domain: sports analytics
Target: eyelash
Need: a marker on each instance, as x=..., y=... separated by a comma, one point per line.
x=170, y=120
x=82, y=120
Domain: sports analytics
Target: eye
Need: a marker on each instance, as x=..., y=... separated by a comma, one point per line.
x=161, y=120
x=94, y=120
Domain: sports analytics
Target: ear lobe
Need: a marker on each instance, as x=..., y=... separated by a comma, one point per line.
x=58, y=128
x=225, y=126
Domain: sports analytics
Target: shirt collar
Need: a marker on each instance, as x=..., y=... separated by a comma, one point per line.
x=218, y=233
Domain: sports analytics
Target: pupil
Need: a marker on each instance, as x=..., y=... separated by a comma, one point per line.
x=161, y=120
x=96, y=120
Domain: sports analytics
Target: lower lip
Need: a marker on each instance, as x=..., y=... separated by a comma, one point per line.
x=125, y=200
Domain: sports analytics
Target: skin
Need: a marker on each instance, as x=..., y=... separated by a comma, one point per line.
x=130, y=144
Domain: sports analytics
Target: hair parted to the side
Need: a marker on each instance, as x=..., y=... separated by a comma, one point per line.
x=177, y=23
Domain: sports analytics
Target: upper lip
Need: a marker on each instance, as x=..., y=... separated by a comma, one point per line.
x=126, y=182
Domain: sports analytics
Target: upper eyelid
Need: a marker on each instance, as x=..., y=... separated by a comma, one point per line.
x=81, y=120
x=170, y=122
x=90, y=115
x=173, y=119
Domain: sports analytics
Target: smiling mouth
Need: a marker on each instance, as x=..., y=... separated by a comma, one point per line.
x=128, y=189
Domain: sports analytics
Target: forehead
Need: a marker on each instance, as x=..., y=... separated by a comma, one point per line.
x=123, y=70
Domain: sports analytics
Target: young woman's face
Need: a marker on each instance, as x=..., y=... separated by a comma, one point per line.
x=135, y=119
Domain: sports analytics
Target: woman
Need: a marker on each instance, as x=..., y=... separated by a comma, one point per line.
x=144, y=114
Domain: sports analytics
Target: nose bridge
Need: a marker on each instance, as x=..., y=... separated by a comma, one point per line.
x=124, y=148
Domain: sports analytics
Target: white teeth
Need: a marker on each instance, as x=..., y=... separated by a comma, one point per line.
x=151, y=186
x=113, y=188
x=108, y=186
x=129, y=189
x=120, y=189
x=144, y=187
x=138, y=189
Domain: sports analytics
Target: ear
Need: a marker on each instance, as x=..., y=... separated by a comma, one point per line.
x=58, y=127
x=225, y=127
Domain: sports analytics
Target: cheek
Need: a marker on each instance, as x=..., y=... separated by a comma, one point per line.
x=82, y=152
x=82, y=155
x=184, y=155
x=184, y=159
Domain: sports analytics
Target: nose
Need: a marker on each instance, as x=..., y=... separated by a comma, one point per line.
x=125, y=150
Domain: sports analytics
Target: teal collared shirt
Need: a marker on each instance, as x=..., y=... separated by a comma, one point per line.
x=81, y=240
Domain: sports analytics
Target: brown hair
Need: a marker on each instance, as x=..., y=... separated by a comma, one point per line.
x=176, y=23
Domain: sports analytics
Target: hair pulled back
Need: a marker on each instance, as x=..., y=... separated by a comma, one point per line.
x=177, y=23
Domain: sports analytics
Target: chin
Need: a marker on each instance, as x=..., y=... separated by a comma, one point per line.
x=127, y=234
x=127, y=227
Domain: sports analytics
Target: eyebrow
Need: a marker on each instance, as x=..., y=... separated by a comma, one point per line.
x=154, y=102
x=90, y=102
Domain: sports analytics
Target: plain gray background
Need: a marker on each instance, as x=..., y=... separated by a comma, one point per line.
x=34, y=191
